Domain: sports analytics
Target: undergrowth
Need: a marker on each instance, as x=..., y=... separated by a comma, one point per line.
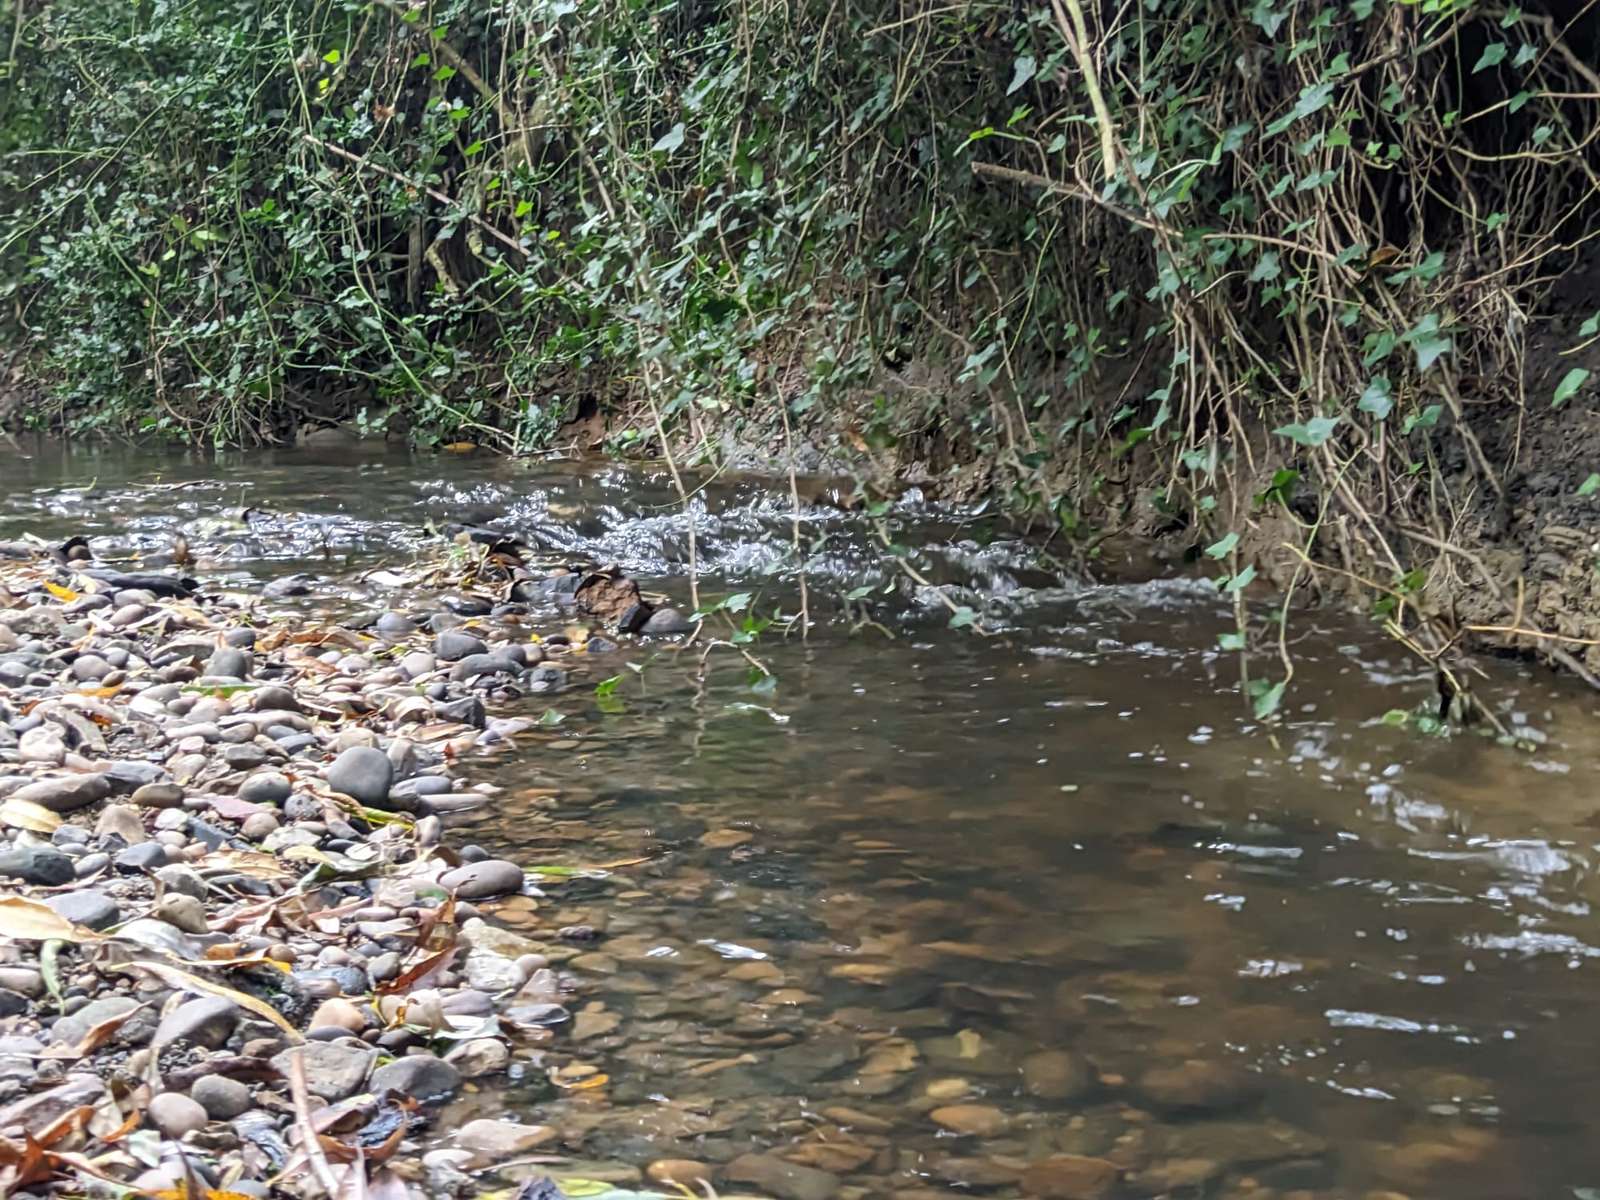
x=1277, y=263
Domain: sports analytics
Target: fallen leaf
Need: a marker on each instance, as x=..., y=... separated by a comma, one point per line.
x=25, y=814
x=35, y=922
x=193, y=983
x=64, y=594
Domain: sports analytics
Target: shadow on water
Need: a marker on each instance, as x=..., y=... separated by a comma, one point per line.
x=1056, y=879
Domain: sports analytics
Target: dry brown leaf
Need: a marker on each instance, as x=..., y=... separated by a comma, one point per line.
x=32, y=921
x=25, y=814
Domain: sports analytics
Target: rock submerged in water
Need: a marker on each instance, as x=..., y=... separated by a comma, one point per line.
x=785, y=1180
x=1070, y=1177
x=1197, y=1085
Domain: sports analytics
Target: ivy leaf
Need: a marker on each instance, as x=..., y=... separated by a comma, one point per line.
x=1230, y=641
x=1590, y=327
x=1378, y=399
x=1265, y=699
x=1240, y=581
x=1569, y=385
x=962, y=618
x=670, y=140
x=332, y=57
x=1493, y=55
x=1022, y=70
x=1429, y=348
x=1313, y=433
x=1590, y=485
x=1223, y=546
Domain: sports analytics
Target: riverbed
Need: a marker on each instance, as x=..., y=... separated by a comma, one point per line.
x=923, y=910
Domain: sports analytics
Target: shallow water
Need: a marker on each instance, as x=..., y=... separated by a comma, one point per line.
x=927, y=859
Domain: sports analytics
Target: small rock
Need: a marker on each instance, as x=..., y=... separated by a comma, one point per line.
x=158, y=795
x=121, y=821
x=146, y=856
x=491, y=877
x=72, y=1028
x=787, y=1181
x=176, y=1114
x=1056, y=1075
x=419, y=1075
x=41, y=745
x=258, y=826
x=334, y=1070
x=479, y=1057
x=222, y=1098
x=38, y=864
x=37, y=1112
x=265, y=787
x=495, y=1141
x=90, y=668
x=453, y=644
x=65, y=793
x=230, y=662
x=207, y=1022
x=364, y=774
x=1070, y=1177
x=86, y=907
x=666, y=622
x=186, y=880
x=187, y=913
x=970, y=1120
x=1197, y=1085
x=338, y=1013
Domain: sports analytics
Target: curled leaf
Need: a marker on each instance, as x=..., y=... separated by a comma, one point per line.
x=31, y=921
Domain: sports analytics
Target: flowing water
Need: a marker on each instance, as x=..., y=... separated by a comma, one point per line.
x=1054, y=878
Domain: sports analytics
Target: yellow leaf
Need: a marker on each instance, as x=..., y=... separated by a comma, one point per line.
x=193, y=983
x=34, y=922
x=579, y=1189
x=459, y=447
x=25, y=814
x=64, y=594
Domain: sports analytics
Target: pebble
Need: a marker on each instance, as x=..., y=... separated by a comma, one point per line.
x=187, y=913
x=364, y=774
x=207, y=1021
x=785, y=1180
x=420, y=1075
x=1197, y=1085
x=972, y=1120
x=87, y=907
x=491, y=877
x=453, y=644
x=1070, y=1177
x=158, y=795
x=146, y=856
x=333, y=1070
x=222, y=1098
x=681, y=1172
x=495, y=1141
x=265, y=787
x=65, y=793
x=339, y=1013
x=666, y=622
x=176, y=1114
x=38, y=864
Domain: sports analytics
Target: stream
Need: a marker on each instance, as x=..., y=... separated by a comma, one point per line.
x=944, y=908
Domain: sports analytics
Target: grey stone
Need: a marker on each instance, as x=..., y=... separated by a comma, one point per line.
x=66, y=793
x=146, y=856
x=71, y=1029
x=229, y=661
x=491, y=877
x=176, y=1114
x=36, y=863
x=666, y=622
x=418, y=663
x=38, y=1111
x=265, y=787
x=453, y=644
x=395, y=625
x=222, y=1098
x=90, y=668
x=468, y=710
x=182, y=879
x=158, y=795
x=208, y=1021
x=126, y=777
x=420, y=1075
x=92, y=864
x=86, y=907
x=362, y=773
x=334, y=1070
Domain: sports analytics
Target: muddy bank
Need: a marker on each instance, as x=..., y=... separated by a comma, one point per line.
x=240, y=949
